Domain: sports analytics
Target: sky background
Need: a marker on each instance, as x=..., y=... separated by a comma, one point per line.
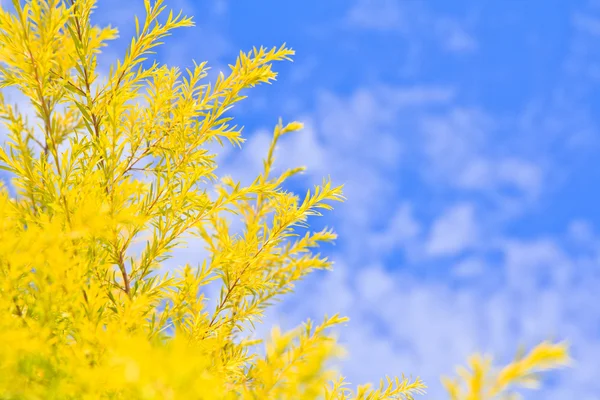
x=466, y=134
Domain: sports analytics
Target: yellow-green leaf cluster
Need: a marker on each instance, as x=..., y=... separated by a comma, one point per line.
x=482, y=382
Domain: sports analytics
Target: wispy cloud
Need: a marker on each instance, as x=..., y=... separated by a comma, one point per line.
x=415, y=21
x=454, y=232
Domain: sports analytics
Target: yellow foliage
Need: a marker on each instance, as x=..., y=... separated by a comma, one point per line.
x=482, y=383
x=84, y=317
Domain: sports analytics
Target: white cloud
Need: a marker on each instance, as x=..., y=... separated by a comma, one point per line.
x=454, y=37
x=414, y=21
x=458, y=152
x=401, y=230
x=303, y=69
x=470, y=267
x=350, y=124
x=220, y=7
x=380, y=15
x=524, y=175
x=417, y=96
x=583, y=62
x=453, y=138
x=490, y=174
x=455, y=231
x=582, y=233
x=374, y=284
x=535, y=264
x=587, y=23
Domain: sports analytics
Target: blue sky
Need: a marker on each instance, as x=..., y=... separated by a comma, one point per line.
x=467, y=135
